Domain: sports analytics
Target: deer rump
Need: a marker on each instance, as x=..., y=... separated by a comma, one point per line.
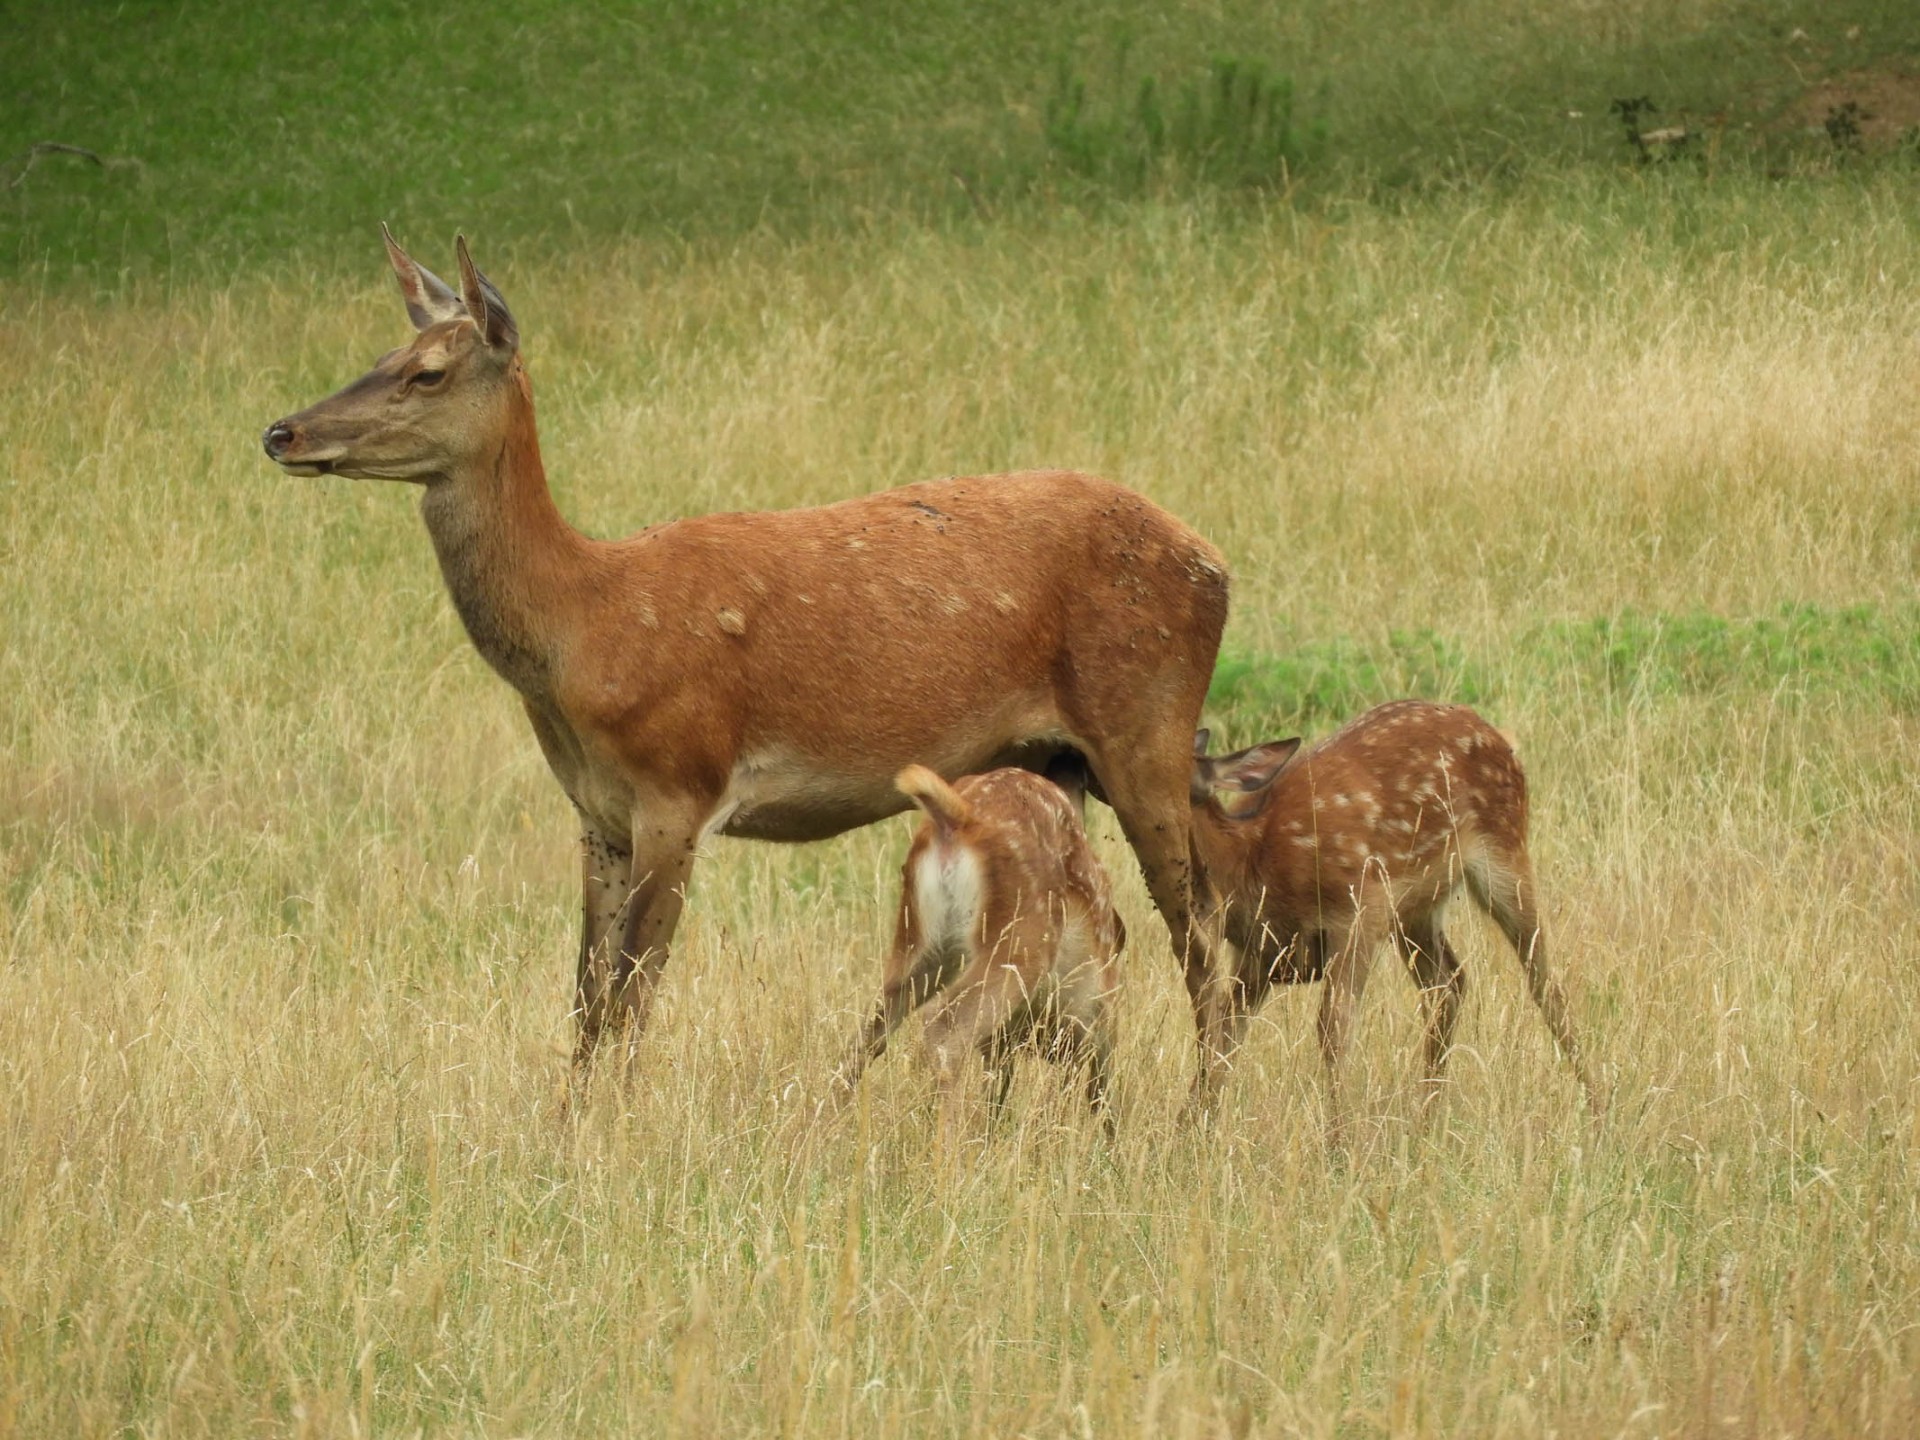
x=963, y=624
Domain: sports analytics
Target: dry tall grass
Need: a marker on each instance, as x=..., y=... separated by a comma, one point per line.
x=286, y=909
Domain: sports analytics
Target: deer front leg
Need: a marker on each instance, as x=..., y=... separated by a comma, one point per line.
x=1346, y=978
x=1234, y=984
x=606, y=871
x=619, y=992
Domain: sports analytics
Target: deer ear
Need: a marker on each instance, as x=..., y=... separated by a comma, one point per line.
x=1238, y=806
x=429, y=299
x=1200, y=779
x=1255, y=768
x=484, y=304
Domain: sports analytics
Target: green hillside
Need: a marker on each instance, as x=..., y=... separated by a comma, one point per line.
x=232, y=133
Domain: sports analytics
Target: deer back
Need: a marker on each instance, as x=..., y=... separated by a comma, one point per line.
x=802, y=657
x=1396, y=796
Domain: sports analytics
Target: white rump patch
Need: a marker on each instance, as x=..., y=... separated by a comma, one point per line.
x=947, y=894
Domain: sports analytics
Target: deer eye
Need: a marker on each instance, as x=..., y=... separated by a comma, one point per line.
x=428, y=377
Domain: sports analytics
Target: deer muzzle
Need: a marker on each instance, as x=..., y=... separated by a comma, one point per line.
x=286, y=445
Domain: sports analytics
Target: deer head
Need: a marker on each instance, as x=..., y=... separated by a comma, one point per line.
x=424, y=409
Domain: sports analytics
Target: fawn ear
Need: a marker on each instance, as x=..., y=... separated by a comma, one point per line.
x=1245, y=772
x=1247, y=777
x=429, y=299
x=1253, y=769
x=484, y=304
x=1200, y=780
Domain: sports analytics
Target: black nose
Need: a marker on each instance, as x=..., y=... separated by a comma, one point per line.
x=278, y=437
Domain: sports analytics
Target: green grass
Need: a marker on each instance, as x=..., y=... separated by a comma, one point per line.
x=276, y=135
x=1858, y=654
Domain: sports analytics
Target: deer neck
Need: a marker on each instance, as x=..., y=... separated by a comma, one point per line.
x=513, y=565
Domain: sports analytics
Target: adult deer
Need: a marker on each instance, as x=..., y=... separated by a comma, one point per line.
x=768, y=674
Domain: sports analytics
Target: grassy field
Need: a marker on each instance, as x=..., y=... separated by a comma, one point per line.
x=232, y=138
x=1621, y=454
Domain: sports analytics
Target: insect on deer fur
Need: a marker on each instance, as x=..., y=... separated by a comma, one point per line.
x=1007, y=920
x=1319, y=859
x=768, y=674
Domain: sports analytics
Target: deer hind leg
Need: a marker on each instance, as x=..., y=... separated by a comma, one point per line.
x=999, y=1057
x=1437, y=971
x=1098, y=1049
x=1148, y=793
x=989, y=999
x=1083, y=1035
x=913, y=978
x=1080, y=1043
x=1506, y=892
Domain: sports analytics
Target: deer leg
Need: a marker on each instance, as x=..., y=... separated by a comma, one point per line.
x=1216, y=990
x=979, y=1009
x=1151, y=801
x=911, y=981
x=661, y=865
x=1078, y=1034
x=1100, y=1071
x=1097, y=1040
x=1506, y=892
x=1082, y=1019
x=1437, y=971
x=1087, y=1041
x=659, y=896
x=1239, y=989
x=1346, y=979
x=1251, y=983
x=999, y=1079
x=606, y=875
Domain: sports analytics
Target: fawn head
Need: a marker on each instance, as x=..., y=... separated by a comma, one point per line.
x=423, y=409
x=1237, y=786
